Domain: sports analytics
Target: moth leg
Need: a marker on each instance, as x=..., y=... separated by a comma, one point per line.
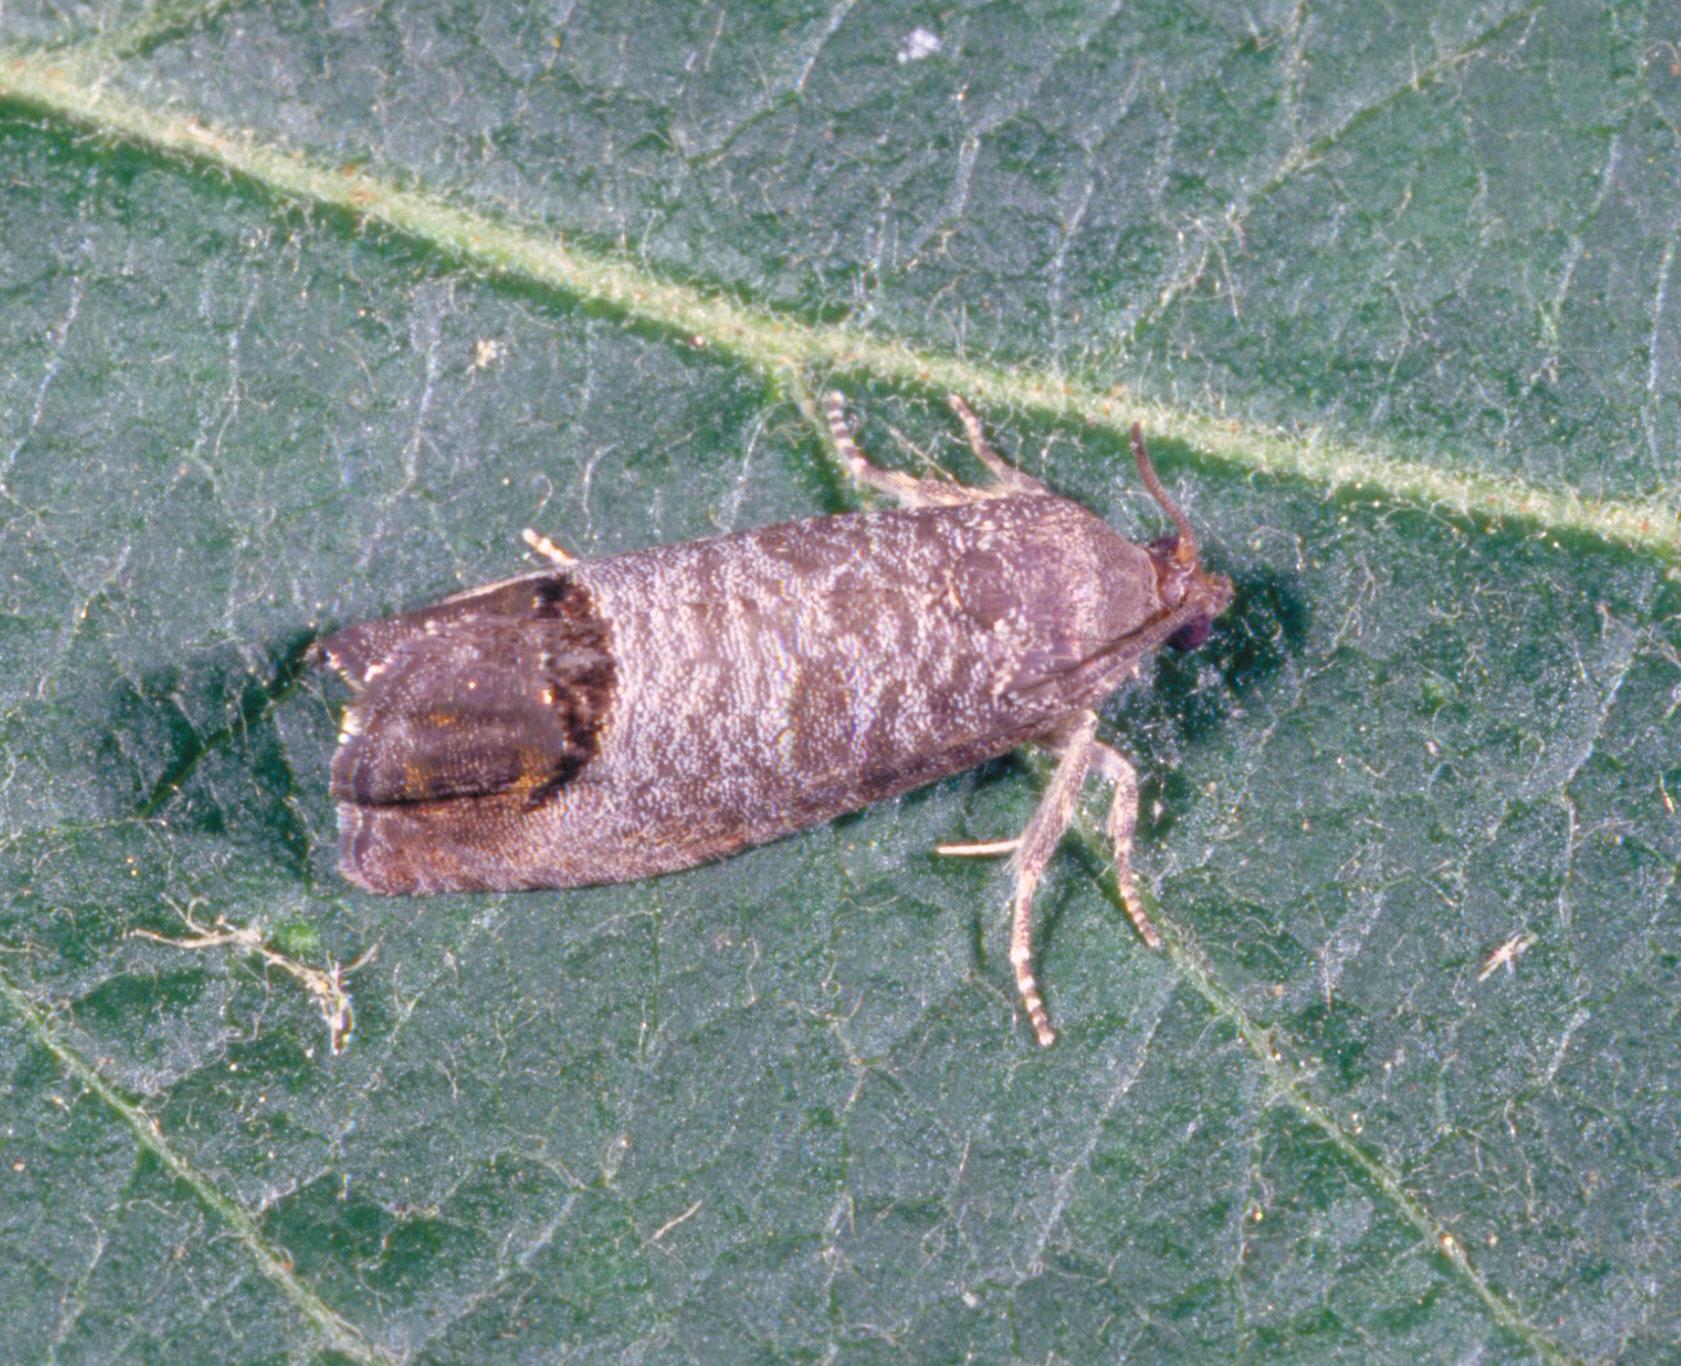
x=1119, y=826
x=1038, y=843
x=1078, y=751
x=907, y=488
x=1006, y=475
x=980, y=848
x=547, y=548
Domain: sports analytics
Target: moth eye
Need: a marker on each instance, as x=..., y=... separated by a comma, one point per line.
x=1192, y=633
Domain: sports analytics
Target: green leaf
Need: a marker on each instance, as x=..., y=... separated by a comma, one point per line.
x=308, y=310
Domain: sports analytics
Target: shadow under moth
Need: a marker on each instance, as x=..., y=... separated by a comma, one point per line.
x=609, y=719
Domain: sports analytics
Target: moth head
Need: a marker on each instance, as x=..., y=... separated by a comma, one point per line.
x=1182, y=584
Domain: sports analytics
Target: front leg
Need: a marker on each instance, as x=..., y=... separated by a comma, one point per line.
x=1033, y=855
x=1119, y=826
x=1079, y=751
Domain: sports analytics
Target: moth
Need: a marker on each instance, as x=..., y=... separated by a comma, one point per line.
x=599, y=720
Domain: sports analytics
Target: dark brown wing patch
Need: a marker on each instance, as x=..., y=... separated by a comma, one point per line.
x=500, y=693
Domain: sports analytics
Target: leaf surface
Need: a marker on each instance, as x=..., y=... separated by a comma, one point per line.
x=309, y=310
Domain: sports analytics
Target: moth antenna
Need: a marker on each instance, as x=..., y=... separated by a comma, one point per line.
x=1186, y=551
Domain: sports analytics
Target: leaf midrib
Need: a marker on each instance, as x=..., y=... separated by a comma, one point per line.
x=66, y=86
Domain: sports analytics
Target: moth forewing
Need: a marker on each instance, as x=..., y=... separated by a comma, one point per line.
x=615, y=718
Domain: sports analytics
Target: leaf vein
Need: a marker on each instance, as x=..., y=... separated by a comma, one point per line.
x=69, y=89
x=335, y=1330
